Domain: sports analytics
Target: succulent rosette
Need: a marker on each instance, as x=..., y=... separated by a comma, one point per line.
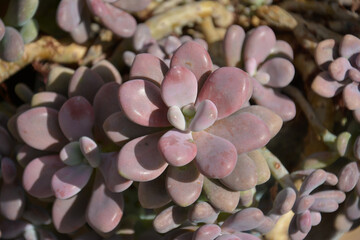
x=198, y=128
x=63, y=142
x=74, y=16
x=266, y=59
x=340, y=67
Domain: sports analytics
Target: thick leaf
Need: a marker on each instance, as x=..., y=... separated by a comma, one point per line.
x=244, y=220
x=48, y=99
x=351, y=96
x=132, y=5
x=233, y=43
x=280, y=70
x=68, y=15
x=325, y=86
x=90, y=151
x=11, y=45
x=207, y=232
x=8, y=170
x=349, y=45
x=12, y=201
x=176, y=118
x=153, y=194
x=169, y=218
x=202, y=212
x=206, y=115
x=107, y=71
x=325, y=53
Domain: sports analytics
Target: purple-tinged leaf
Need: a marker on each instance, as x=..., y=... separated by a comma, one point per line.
x=284, y=201
x=177, y=147
x=216, y=157
x=171, y=44
x=85, y=82
x=325, y=86
x=132, y=5
x=266, y=226
x=348, y=177
x=194, y=57
x=12, y=201
x=338, y=68
x=325, y=53
x=71, y=154
x=244, y=220
x=351, y=96
x=105, y=208
x=70, y=180
x=6, y=142
x=352, y=207
x=303, y=203
x=294, y=232
x=11, y=45
x=90, y=151
x=262, y=167
x=39, y=128
x=205, y=116
x=108, y=168
x=245, y=236
x=202, y=212
x=68, y=15
x=244, y=175
x=128, y=58
x=244, y=130
x=176, y=118
x=227, y=237
x=280, y=70
x=228, y=88
x=207, y=232
x=314, y=180
x=48, y=99
x=25, y=154
x=58, y=80
x=315, y=218
x=38, y=173
x=76, y=118
x=349, y=46
x=324, y=205
x=107, y=71
x=12, y=229
x=169, y=218
x=142, y=37
x=303, y=221
x=233, y=43
x=153, y=194
x=184, y=184
x=140, y=160
x=179, y=87
x=81, y=33
x=338, y=196
x=147, y=66
x=354, y=74
x=283, y=48
x=141, y=101
x=8, y=170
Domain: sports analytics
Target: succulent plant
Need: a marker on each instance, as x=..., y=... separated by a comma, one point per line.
x=269, y=65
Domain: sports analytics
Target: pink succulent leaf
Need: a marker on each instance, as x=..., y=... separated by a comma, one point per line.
x=176, y=118
x=303, y=221
x=169, y=218
x=39, y=128
x=171, y=44
x=303, y=203
x=244, y=130
x=37, y=215
x=179, y=87
x=250, y=66
x=107, y=71
x=245, y=236
x=155, y=50
x=12, y=229
x=228, y=88
x=184, y=184
x=90, y=151
x=12, y=201
x=275, y=101
x=354, y=74
x=25, y=154
x=233, y=43
x=326, y=86
x=81, y=33
x=85, y=82
x=280, y=70
x=105, y=208
x=6, y=142
x=203, y=212
x=108, y=168
x=69, y=13
x=8, y=170
x=283, y=48
x=128, y=58
x=48, y=99
x=147, y=66
x=142, y=37
x=76, y=118
x=71, y=154
x=244, y=220
x=314, y=180
x=244, y=175
x=205, y=116
x=325, y=53
x=351, y=96
x=70, y=180
x=117, y=20
x=153, y=194
x=262, y=77
x=68, y=215
x=261, y=36
x=216, y=156
x=141, y=102
x=105, y=103
x=349, y=46
x=324, y=205
x=177, y=147
x=119, y=128
x=202, y=42
x=194, y=57
x=227, y=237
x=339, y=68
x=207, y=232
x=38, y=174
x=140, y=160
x=132, y=5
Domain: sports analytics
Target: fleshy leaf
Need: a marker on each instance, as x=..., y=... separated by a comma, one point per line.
x=107, y=71
x=8, y=170
x=202, y=212
x=324, y=53
x=339, y=68
x=244, y=220
x=283, y=48
x=169, y=218
x=12, y=201
x=177, y=148
x=280, y=70
x=131, y=5
x=20, y=11
x=142, y=37
x=207, y=232
x=153, y=194
x=48, y=99
x=58, y=80
x=351, y=96
x=140, y=160
x=349, y=45
x=233, y=43
x=228, y=88
x=68, y=15
x=216, y=156
x=325, y=86
x=206, y=115
x=71, y=154
x=176, y=118
x=90, y=151
x=141, y=101
x=11, y=45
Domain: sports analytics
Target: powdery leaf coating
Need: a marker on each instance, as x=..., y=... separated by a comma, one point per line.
x=303, y=221
x=283, y=48
x=38, y=173
x=324, y=53
x=141, y=102
x=303, y=203
x=70, y=180
x=132, y=5
x=153, y=194
x=336, y=195
x=12, y=201
x=315, y=179
x=171, y=44
x=39, y=128
x=68, y=15
x=216, y=156
x=169, y=218
x=107, y=71
x=90, y=151
x=244, y=130
x=140, y=160
x=85, y=82
x=48, y=99
x=207, y=232
x=228, y=88
x=266, y=226
x=194, y=57
x=244, y=175
x=205, y=116
x=244, y=220
x=142, y=38
x=351, y=96
x=245, y=236
x=29, y=31
x=179, y=87
x=177, y=147
x=262, y=168
x=348, y=177
x=184, y=184
x=76, y=118
x=315, y=218
x=325, y=86
x=176, y=118
x=11, y=45
x=20, y=11
x=233, y=43
x=105, y=208
x=108, y=168
x=8, y=170
x=280, y=70
x=324, y=205
x=349, y=45
x=202, y=212
x=339, y=68
x=71, y=154
x=82, y=32
x=284, y=201
x=68, y=215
